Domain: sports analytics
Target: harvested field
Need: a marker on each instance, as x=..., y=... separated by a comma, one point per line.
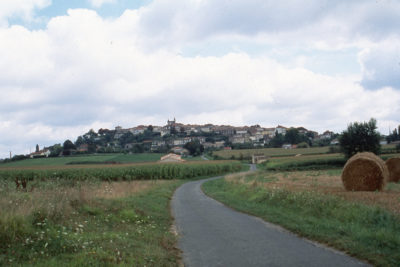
x=324, y=182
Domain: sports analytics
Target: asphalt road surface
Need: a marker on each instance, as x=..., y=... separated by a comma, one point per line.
x=211, y=234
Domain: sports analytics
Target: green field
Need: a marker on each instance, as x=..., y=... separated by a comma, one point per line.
x=116, y=172
x=58, y=161
x=281, y=152
x=270, y=152
x=310, y=162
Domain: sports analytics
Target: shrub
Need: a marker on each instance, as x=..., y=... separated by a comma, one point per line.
x=302, y=145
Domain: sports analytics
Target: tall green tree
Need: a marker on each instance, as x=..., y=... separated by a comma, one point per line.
x=292, y=136
x=360, y=137
x=55, y=150
x=278, y=140
x=79, y=141
x=68, y=146
x=194, y=147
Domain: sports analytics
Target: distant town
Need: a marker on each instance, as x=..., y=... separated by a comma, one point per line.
x=184, y=139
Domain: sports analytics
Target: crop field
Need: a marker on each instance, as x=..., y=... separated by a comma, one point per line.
x=144, y=171
x=315, y=204
x=100, y=215
x=270, y=152
x=85, y=159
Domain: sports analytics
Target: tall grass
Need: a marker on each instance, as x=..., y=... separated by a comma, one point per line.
x=90, y=224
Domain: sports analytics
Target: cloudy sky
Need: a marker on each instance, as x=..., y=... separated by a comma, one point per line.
x=69, y=66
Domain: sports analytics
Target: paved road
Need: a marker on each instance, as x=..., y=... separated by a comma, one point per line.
x=210, y=234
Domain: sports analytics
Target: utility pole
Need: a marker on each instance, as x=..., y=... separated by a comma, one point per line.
x=10, y=154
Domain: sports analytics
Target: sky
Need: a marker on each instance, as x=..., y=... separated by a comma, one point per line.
x=70, y=66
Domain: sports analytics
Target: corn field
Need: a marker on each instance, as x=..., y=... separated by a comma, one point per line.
x=123, y=173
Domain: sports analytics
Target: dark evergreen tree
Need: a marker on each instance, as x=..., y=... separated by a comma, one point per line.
x=360, y=137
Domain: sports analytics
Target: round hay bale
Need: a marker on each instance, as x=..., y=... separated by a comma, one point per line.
x=365, y=172
x=393, y=166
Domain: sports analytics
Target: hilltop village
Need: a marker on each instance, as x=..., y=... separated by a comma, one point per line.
x=187, y=139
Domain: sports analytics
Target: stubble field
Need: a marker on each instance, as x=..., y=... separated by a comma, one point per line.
x=322, y=182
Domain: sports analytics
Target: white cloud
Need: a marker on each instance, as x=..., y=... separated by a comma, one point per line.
x=84, y=72
x=381, y=65
x=20, y=8
x=99, y=3
x=322, y=24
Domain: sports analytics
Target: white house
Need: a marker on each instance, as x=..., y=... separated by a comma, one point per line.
x=281, y=129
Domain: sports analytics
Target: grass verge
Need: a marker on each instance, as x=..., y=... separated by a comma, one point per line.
x=367, y=232
x=103, y=224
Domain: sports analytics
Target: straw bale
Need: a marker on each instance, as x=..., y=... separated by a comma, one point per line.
x=365, y=172
x=393, y=166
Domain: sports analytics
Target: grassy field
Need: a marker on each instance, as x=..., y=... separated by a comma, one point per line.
x=304, y=162
x=280, y=152
x=58, y=161
x=270, y=152
x=96, y=224
x=314, y=204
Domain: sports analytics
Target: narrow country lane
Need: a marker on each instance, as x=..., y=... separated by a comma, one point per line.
x=211, y=234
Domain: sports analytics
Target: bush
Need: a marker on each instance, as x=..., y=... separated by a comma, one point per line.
x=302, y=145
